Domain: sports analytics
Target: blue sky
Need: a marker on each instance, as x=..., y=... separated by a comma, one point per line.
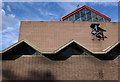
x=14, y=12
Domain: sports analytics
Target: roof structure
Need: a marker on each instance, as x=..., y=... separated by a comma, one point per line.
x=62, y=47
x=85, y=15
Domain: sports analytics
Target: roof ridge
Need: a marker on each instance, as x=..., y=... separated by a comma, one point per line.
x=71, y=12
x=23, y=40
x=79, y=9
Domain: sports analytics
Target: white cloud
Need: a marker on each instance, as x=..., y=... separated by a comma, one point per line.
x=8, y=39
x=51, y=14
x=68, y=7
x=47, y=13
x=10, y=29
x=8, y=8
x=11, y=15
x=9, y=20
x=105, y=3
x=3, y=12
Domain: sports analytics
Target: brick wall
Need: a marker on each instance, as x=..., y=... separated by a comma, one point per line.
x=49, y=36
x=83, y=67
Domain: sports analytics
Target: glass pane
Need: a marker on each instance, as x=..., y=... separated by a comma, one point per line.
x=95, y=19
x=101, y=20
x=66, y=19
x=83, y=18
x=82, y=14
x=36, y=53
x=87, y=10
x=89, y=13
x=71, y=18
x=78, y=19
x=77, y=15
x=99, y=17
x=83, y=10
x=89, y=17
x=93, y=14
x=89, y=20
x=106, y=20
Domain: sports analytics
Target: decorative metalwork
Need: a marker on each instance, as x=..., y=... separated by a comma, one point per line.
x=97, y=31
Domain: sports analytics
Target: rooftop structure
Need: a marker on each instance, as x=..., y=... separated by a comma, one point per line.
x=85, y=13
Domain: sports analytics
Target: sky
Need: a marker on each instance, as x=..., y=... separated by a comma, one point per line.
x=14, y=12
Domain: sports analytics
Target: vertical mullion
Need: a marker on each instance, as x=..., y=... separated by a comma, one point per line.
x=103, y=19
x=86, y=14
x=92, y=15
x=80, y=16
x=68, y=18
x=74, y=17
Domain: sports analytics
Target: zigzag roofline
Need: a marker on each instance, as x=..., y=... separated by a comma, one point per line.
x=62, y=47
x=19, y=42
x=79, y=9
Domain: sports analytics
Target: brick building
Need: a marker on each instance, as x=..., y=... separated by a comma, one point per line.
x=65, y=50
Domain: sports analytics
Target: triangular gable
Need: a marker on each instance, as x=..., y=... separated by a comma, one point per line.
x=79, y=9
x=19, y=46
x=70, y=42
x=71, y=49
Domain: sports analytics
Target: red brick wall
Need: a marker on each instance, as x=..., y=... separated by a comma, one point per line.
x=82, y=67
x=49, y=36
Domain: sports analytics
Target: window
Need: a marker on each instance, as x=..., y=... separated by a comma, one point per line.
x=77, y=15
x=36, y=53
x=83, y=18
x=71, y=18
x=66, y=19
x=86, y=15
